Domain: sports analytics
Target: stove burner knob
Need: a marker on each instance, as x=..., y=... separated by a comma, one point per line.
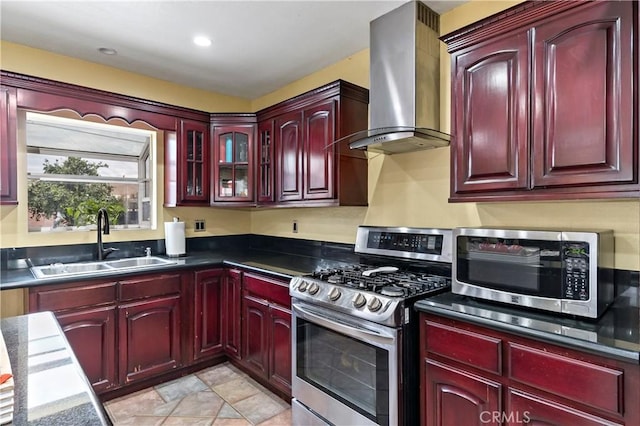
x=302, y=287
x=374, y=304
x=359, y=301
x=313, y=288
x=334, y=294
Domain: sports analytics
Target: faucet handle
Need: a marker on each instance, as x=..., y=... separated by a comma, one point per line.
x=147, y=251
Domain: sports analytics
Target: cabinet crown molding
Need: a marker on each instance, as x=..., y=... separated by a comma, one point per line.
x=516, y=17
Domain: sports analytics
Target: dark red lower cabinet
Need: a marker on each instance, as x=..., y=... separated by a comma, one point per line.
x=92, y=335
x=266, y=331
x=471, y=375
x=280, y=348
x=208, y=313
x=149, y=338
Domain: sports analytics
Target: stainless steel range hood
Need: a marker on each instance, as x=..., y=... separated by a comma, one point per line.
x=404, y=83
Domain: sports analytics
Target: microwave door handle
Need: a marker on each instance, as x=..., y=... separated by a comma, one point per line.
x=344, y=327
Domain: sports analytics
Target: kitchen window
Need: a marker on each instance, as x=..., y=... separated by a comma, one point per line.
x=76, y=166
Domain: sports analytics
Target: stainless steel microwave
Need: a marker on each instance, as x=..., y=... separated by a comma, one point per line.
x=570, y=272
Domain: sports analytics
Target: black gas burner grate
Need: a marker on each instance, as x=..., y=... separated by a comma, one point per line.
x=392, y=284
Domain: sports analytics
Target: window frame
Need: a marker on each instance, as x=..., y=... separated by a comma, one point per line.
x=146, y=180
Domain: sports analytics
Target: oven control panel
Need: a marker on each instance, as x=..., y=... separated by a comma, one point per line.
x=405, y=243
x=363, y=304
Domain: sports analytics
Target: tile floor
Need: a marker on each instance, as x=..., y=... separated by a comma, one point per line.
x=218, y=396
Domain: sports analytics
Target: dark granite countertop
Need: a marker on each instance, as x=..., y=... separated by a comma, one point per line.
x=50, y=387
x=615, y=335
x=278, y=265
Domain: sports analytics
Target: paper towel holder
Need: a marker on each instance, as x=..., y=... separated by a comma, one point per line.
x=174, y=236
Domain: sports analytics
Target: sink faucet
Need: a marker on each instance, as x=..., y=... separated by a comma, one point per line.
x=103, y=217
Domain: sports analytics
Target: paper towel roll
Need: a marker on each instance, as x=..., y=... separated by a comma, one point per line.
x=174, y=239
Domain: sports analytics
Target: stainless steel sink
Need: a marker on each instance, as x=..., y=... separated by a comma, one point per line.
x=97, y=268
x=137, y=262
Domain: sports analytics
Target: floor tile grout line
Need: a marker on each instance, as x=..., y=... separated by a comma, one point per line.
x=238, y=375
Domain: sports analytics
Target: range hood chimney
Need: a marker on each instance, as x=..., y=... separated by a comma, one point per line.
x=404, y=82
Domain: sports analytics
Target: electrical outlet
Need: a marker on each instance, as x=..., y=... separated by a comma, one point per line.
x=199, y=225
x=295, y=227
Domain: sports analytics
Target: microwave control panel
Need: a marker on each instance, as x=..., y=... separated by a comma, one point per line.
x=576, y=271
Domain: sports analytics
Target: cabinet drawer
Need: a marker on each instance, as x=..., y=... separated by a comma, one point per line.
x=526, y=408
x=581, y=381
x=149, y=286
x=271, y=290
x=476, y=350
x=62, y=298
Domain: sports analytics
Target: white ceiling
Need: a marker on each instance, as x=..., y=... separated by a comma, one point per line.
x=258, y=46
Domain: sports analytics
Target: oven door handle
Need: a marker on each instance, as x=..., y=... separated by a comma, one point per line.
x=381, y=337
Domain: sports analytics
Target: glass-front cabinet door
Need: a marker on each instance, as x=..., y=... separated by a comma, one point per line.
x=265, y=158
x=195, y=163
x=233, y=163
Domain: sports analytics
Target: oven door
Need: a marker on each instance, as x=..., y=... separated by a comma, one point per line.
x=344, y=369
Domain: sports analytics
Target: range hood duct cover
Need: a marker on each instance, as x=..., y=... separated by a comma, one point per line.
x=404, y=83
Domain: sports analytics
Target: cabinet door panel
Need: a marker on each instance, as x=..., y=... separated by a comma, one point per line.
x=231, y=313
x=319, y=151
x=583, y=97
x=523, y=408
x=91, y=334
x=208, y=312
x=8, y=146
x=289, y=161
x=194, y=163
x=266, y=166
x=149, y=333
x=233, y=163
x=280, y=357
x=490, y=113
x=456, y=397
x=255, y=336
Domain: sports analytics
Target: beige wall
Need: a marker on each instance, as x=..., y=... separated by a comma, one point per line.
x=407, y=189
x=26, y=60
x=412, y=189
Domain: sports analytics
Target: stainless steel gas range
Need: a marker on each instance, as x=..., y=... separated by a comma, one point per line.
x=355, y=333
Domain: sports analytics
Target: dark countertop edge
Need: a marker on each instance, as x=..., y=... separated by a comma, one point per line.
x=274, y=274
x=594, y=348
x=23, y=278
x=100, y=411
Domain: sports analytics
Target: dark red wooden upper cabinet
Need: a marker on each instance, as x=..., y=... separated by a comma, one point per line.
x=233, y=163
x=543, y=103
x=193, y=166
x=265, y=162
x=310, y=168
x=490, y=116
x=319, y=151
x=289, y=145
x=583, y=102
x=8, y=146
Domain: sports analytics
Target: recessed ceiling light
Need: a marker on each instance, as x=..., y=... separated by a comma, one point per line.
x=107, y=51
x=202, y=41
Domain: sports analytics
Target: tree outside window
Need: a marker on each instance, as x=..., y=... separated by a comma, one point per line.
x=73, y=203
x=77, y=167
